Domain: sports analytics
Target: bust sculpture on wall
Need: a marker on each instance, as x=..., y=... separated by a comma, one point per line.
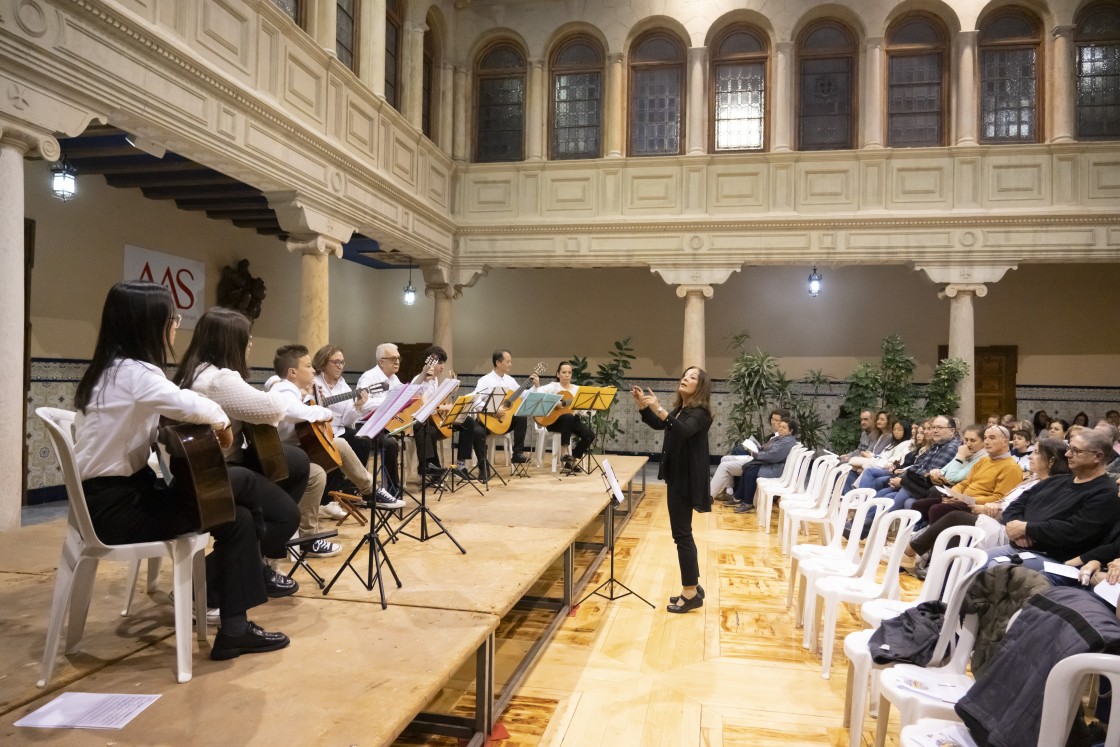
x=239, y=290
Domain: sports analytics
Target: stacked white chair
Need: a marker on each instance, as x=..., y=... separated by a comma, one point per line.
x=948, y=576
x=82, y=550
x=793, y=478
x=818, y=509
x=835, y=549
x=1060, y=705
x=807, y=491
x=832, y=591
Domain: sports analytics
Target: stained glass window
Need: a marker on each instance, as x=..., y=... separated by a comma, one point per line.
x=1098, y=72
x=656, y=95
x=915, y=83
x=346, y=37
x=577, y=100
x=393, y=53
x=739, y=90
x=1009, y=43
x=501, y=105
x=827, y=84
x=428, y=81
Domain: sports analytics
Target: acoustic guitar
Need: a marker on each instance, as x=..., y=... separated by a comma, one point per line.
x=404, y=419
x=563, y=407
x=498, y=424
x=381, y=386
x=317, y=439
x=199, y=471
x=265, y=452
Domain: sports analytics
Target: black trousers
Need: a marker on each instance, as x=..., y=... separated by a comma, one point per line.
x=390, y=455
x=923, y=543
x=427, y=445
x=473, y=436
x=275, y=514
x=680, y=523
x=744, y=491
x=140, y=508
x=567, y=425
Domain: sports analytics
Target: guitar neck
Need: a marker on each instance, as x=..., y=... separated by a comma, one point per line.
x=353, y=394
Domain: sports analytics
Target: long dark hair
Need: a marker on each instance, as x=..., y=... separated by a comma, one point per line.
x=703, y=395
x=1054, y=452
x=136, y=324
x=220, y=339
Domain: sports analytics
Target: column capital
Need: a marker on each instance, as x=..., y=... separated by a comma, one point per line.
x=415, y=27
x=694, y=289
x=615, y=58
x=442, y=290
x=537, y=63
x=314, y=244
x=954, y=289
x=450, y=280
x=968, y=37
x=874, y=42
x=697, y=53
x=24, y=138
x=700, y=277
x=1065, y=32
x=784, y=47
x=298, y=216
x=963, y=275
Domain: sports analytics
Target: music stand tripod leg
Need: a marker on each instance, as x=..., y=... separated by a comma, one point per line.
x=612, y=582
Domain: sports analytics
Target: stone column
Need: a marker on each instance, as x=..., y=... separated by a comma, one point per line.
x=613, y=104
x=694, y=330
x=442, y=321
x=13, y=144
x=446, y=122
x=873, y=93
x=967, y=88
x=535, y=108
x=412, y=78
x=314, y=286
x=1062, y=90
x=322, y=22
x=371, y=45
x=782, y=97
x=459, y=142
x=697, y=101
x=962, y=342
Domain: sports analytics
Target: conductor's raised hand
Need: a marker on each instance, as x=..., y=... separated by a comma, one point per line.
x=636, y=393
x=650, y=400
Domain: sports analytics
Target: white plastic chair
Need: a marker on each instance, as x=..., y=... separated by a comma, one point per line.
x=540, y=435
x=792, y=478
x=817, y=511
x=1060, y=704
x=82, y=550
x=836, y=547
x=912, y=706
x=877, y=610
x=955, y=567
x=831, y=591
x=808, y=491
x=492, y=440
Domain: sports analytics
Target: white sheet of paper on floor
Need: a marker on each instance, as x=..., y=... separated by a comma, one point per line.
x=88, y=711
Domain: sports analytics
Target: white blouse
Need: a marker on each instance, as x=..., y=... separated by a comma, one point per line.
x=240, y=400
x=114, y=436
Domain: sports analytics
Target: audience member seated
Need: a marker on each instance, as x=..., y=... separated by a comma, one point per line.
x=968, y=455
x=1058, y=428
x=1022, y=445
x=768, y=462
x=882, y=444
x=867, y=439
x=989, y=481
x=1040, y=422
x=915, y=482
x=878, y=477
x=1047, y=460
x=1113, y=434
x=731, y=465
x=1081, y=418
x=1066, y=515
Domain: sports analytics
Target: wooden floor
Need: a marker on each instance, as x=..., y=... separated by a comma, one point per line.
x=733, y=673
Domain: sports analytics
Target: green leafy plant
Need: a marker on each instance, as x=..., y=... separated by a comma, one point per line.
x=611, y=372
x=864, y=386
x=896, y=374
x=941, y=394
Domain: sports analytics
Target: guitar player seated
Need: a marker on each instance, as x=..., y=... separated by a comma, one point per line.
x=474, y=431
x=385, y=372
x=294, y=380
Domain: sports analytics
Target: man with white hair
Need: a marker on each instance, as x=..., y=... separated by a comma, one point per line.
x=388, y=363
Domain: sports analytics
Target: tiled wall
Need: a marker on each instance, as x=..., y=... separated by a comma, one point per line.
x=53, y=383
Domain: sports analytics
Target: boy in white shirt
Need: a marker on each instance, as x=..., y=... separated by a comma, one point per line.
x=294, y=380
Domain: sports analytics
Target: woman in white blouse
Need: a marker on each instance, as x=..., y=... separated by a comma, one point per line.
x=569, y=423
x=119, y=401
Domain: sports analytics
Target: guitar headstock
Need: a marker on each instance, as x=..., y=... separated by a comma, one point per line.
x=430, y=362
x=540, y=368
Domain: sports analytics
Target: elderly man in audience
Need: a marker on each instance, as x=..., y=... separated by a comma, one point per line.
x=867, y=438
x=989, y=481
x=1066, y=515
x=731, y=465
x=969, y=454
x=915, y=482
x=1111, y=432
x=768, y=462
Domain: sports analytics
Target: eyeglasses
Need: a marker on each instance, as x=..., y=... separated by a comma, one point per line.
x=393, y=360
x=339, y=363
x=1078, y=452
x=176, y=320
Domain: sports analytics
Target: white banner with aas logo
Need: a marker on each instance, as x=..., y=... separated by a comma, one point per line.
x=185, y=278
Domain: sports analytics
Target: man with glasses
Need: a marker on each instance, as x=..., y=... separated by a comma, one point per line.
x=1066, y=517
x=388, y=363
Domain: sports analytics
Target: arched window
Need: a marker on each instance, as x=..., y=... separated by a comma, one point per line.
x=577, y=100
x=916, y=82
x=429, y=83
x=738, y=98
x=501, y=104
x=346, y=33
x=393, y=19
x=826, y=57
x=656, y=95
x=1098, y=72
x=1009, y=44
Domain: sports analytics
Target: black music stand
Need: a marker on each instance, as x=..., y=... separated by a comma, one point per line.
x=593, y=399
x=488, y=403
x=458, y=413
x=614, y=493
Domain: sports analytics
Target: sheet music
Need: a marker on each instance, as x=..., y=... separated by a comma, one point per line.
x=612, y=480
x=88, y=711
x=394, y=402
x=441, y=393
x=751, y=445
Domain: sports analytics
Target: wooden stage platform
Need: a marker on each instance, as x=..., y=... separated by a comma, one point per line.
x=355, y=674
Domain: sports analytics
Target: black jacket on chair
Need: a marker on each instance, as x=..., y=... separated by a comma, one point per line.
x=684, y=454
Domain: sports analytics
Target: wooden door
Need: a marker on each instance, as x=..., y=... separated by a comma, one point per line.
x=412, y=359
x=996, y=368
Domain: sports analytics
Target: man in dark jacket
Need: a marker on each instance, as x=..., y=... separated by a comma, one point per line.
x=768, y=462
x=1066, y=515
